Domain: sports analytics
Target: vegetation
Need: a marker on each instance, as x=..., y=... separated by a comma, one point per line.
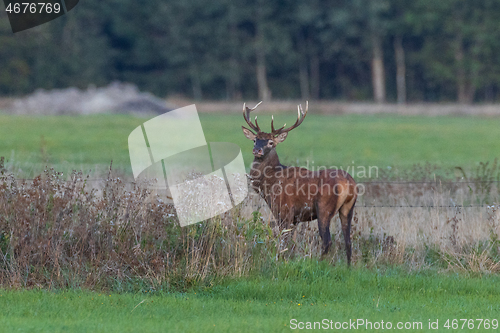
x=89, y=250
x=89, y=143
x=58, y=233
x=305, y=291
x=391, y=50
x=69, y=243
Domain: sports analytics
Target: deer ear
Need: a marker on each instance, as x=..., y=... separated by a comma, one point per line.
x=248, y=134
x=280, y=138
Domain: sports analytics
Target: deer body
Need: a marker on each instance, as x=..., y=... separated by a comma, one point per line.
x=295, y=194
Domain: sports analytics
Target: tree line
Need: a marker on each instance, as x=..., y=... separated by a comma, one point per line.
x=382, y=50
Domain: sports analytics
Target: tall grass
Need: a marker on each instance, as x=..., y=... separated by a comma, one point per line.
x=62, y=233
x=58, y=232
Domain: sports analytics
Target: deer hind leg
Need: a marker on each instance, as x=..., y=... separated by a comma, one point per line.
x=324, y=232
x=345, y=214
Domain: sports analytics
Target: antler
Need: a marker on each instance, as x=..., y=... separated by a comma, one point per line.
x=246, y=115
x=301, y=115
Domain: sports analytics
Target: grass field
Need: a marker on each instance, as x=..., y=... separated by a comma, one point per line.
x=115, y=259
x=306, y=291
x=91, y=142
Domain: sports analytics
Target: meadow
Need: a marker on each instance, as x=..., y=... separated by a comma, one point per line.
x=110, y=256
x=89, y=143
x=289, y=296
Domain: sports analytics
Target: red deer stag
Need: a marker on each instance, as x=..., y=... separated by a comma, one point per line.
x=296, y=194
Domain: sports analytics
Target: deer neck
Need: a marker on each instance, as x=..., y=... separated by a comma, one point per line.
x=264, y=169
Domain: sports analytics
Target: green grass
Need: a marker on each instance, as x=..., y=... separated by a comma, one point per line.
x=91, y=142
x=307, y=291
x=66, y=142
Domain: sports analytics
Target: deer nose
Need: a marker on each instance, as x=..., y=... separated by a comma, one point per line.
x=258, y=151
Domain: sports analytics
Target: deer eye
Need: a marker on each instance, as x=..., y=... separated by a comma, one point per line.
x=270, y=142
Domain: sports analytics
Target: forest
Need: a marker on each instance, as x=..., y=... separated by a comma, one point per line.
x=351, y=50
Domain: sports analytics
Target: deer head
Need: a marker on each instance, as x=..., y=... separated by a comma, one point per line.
x=265, y=142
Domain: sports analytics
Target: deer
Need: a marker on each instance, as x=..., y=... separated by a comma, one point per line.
x=296, y=194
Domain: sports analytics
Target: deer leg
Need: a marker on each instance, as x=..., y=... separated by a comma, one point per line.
x=345, y=220
x=324, y=232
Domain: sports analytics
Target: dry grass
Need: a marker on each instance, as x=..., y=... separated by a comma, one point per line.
x=61, y=233
x=464, y=239
x=58, y=232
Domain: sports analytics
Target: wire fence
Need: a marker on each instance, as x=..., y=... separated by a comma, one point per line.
x=359, y=205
